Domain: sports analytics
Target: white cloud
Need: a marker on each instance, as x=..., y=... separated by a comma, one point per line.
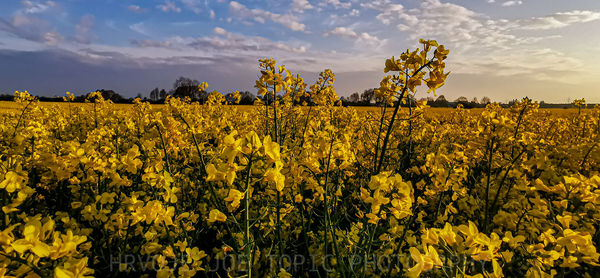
x=52, y=38
x=457, y=24
x=224, y=41
x=360, y=38
x=483, y=45
x=388, y=12
x=512, y=3
x=376, y=4
x=448, y=22
x=169, y=6
x=333, y=20
x=393, y=12
x=558, y=20
x=435, y=19
x=140, y=28
x=31, y=28
x=301, y=5
x=508, y=3
x=537, y=64
x=220, y=31
x=368, y=39
x=33, y=7
x=136, y=9
x=337, y=4
x=83, y=29
x=258, y=15
x=193, y=5
x=342, y=32
x=212, y=14
x=354, y=12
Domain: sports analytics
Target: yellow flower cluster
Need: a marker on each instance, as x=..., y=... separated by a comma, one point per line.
x=297, y=186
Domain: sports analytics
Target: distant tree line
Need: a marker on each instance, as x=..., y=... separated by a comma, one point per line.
x=106, y=94
x=367, y=98
x=187, y=87
x=182, y=87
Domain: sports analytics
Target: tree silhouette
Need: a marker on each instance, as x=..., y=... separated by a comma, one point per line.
x=354, y=98
x=461, y=99
x=186, y=87
x=247, y=98
x=440, y=102
x=154, y=94
x=367, y=96
x=112, y=95
x=485, y=100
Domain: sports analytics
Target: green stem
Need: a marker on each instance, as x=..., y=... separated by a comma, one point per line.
x=247, y=220
x=390, y=126
x=21, y=117
x=279, y=243
x=488, y=183
x=381, y=120
x=25, y=262
x=275, y=122
x=164, y=147
x=389, y=131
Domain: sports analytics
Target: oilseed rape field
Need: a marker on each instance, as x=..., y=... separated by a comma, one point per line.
x=285, y=189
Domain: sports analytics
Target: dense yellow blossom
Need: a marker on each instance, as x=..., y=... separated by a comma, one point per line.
x=296, y=186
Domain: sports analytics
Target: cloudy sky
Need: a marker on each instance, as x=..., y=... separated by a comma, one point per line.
x=545, y=49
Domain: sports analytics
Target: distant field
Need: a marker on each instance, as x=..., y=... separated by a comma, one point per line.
x=8, y=106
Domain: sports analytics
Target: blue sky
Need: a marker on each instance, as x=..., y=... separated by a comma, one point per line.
x=504, y=49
